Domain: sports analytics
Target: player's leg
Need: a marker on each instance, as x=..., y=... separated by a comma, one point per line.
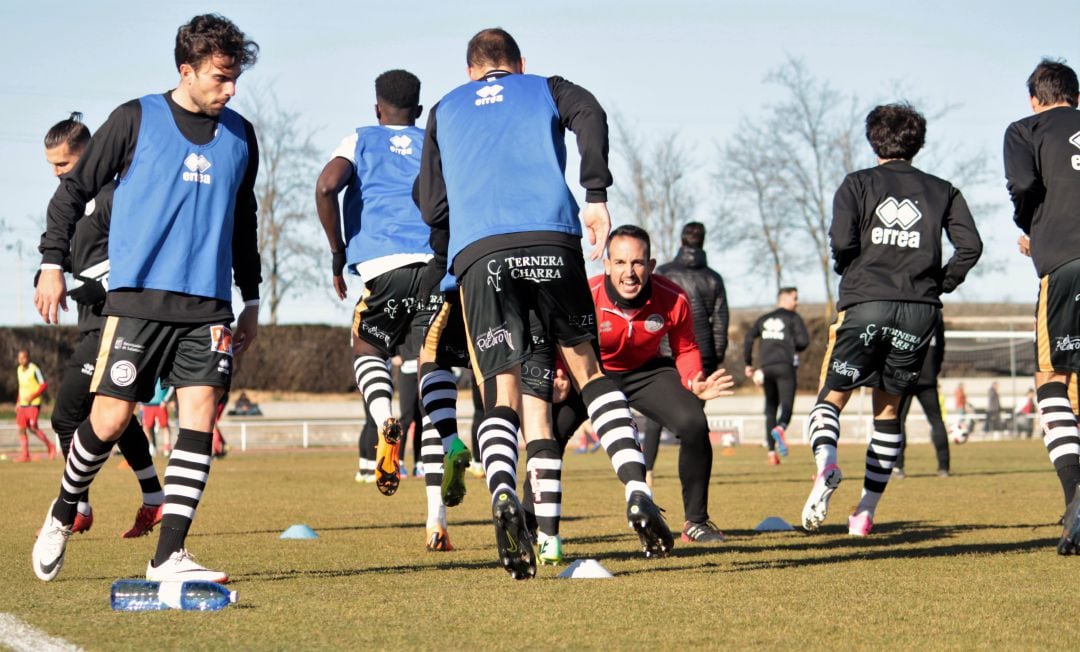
x=902, y=411
x=136, y=450
x=35, y=413
x=772, y=405
x=72, y=407
x=650, y=446
x=881, y=454
x=931, y=405
x=367, y=442
x=785, y=390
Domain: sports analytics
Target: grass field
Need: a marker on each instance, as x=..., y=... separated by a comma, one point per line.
x=962, y=562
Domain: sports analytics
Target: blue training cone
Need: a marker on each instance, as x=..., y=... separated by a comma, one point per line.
x=298, y=531
x=774, y=524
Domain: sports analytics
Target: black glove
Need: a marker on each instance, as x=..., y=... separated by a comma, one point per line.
x=338, y=264
x=89, y=293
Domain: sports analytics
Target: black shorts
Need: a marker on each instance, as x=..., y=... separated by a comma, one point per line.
x=502, y=292
x=135, y=352
x=73, y=400
x=879, y=344
x=1057, y=320
x=383, y=316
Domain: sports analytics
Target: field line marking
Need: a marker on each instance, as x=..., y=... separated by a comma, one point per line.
x=22, y=637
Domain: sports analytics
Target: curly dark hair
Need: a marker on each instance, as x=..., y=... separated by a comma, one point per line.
x=492, y=46
x=71, y=131
x=398, y=88
x=631, y=231
x=896, y=131
x=1053, y=82
x=211, y=34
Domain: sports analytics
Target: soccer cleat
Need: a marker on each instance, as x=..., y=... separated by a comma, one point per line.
x=550, y=552
x=390, y=431
x=438, y=540
x=706, y=532
x=817, y=503
x=943, y=473
x=476, y=469
x=456, y=461
x=512, y=536
x=180, y=567
x=83, y=522
x=1070, y=534
x=777, y=434
x=52, y=451
x=145, y=519
x=418, y=470
x=859, y=525
x=387, y=467
x=25, y=457
x=645, y=519
x=774, y=459
x=48, y=554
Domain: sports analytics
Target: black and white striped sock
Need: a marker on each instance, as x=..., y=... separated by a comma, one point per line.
x=375, y=385
x=1060, y=435
x=185, y=480
x=136, y=450
x=823, y=429
x=438, y=400
x=881, y=454
x=544, y=467
x=86, y=457
x=431, y=455
x=615, y=426
x=498, y=439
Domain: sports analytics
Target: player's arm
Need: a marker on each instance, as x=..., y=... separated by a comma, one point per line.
x=247, y=265
x=42, y=385
x=332, y=180
x=801, y=337
x=844, y=231
x=683, y=343
x=1022, y=175
x=721, y=318
x=962, y=233
x=748, y=346
x=430, y=186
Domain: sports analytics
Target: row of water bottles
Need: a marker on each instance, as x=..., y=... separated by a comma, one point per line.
x=192, y=595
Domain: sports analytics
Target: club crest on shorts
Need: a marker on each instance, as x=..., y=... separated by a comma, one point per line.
x=654, y=323
x=122, y=373
x=220, y=339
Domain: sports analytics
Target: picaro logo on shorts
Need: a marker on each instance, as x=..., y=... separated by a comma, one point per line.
x=772, y=329
x=1067, y=343
x=898, y=217
x=401, y=144
x=489, y=95
x=495, y=337
x=196, y=165
x=845, y=369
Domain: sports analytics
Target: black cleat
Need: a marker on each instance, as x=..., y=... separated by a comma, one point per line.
x=1070, y=535
x=644, y=517
x=513, y=537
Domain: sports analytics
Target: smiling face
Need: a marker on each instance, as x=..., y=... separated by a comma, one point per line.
x=629, y=266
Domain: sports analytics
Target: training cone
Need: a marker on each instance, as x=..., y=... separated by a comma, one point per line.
x=299, y=531
x=774, y=524
x=585, y=569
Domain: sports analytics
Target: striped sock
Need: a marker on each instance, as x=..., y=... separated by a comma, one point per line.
x=185, y=480
x=375, y=385
x=544, y=467
x=881, y=454
x=1060, y=435
x=136, y=450
x=823, y=425
x=438, y=400
x=431, y=455
x=499, y=449
x=87, y=455
x=615, y=426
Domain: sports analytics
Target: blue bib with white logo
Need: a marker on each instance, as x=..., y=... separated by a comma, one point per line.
x=172, y=217
x=504, y=160
x=380, y=216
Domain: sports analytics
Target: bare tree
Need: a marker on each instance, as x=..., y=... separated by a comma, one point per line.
x=288, y=162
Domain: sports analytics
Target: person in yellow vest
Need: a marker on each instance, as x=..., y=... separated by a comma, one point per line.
x=31, y=386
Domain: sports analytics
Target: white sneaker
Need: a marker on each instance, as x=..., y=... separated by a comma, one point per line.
x=181, y=566
x=817, y=503
x=48, y=555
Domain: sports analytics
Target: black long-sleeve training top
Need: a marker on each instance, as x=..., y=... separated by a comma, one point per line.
x=783, y=335
x=708, y=303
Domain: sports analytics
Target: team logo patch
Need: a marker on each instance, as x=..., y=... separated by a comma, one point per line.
x=489, y=95
x=494, y=278
x=867, y=336
x=196, y=165
x=122, y=373
x=654, y=323
x=1075, y=139
x=772, y=329
x=401, y=144
x=220, y=339
x=893, y=213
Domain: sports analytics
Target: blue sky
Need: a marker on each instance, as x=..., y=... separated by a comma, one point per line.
x=687, y=67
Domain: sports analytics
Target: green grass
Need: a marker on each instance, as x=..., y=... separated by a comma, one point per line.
x=962, y=562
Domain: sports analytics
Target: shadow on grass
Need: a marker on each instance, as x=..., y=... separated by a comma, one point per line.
x=357, y=528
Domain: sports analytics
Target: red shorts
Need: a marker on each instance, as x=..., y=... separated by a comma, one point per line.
x=26, y=416
x=157, y=415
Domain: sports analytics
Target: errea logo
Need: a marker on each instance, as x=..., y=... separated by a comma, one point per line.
x=1075, y=140
x=197, y=165
x=401, y=144
x=489, y=95
x=892, y=213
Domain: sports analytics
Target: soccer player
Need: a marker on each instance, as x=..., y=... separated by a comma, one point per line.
x=1042, y=166
x=636, y=309
x=65, y=144
x=493, y=170
x=155, y=417
x=926, y=391
x=183, y=217
x=31, y=386
x=783, y=336
x=886, y=244
x=708, y=305
x=387, y=247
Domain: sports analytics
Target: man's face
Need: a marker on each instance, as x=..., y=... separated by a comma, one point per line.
x=212, y=84
x=61, y=158
x=629, y=266
x=789, y=301
x=24, y=358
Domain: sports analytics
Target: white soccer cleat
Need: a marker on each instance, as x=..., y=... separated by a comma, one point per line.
x=48, y=555
x=817, y=504
x=180, y=567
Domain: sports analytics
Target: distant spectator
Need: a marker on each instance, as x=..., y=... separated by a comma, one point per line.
x=994, y=425
x=1025, y=415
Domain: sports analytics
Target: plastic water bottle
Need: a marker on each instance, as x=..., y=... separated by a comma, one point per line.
x=193, y=595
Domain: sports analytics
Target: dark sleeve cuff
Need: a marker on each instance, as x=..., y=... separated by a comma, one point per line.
x=249, y=293
x=52, y=257
x=596, y=196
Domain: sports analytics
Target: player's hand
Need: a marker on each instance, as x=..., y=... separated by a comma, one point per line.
x=247, y=328
x=597, y=224
x=560, y=386
x=50, y=294
x=749, y=371
x=1025, y=245
x=339, y=287
x=719, y=383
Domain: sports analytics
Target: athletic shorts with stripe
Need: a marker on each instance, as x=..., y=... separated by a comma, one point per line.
x=878, y=344
x=504, y=292
x=134, y=353
x=384, y=314
x=1057, y=320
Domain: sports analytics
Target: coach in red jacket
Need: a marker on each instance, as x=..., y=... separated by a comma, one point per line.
x=634, y=311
